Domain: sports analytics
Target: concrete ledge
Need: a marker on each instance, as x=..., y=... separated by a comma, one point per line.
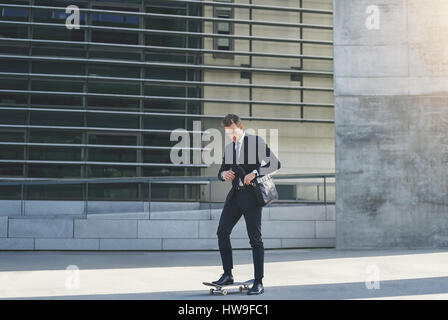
x=40, y=228
x=308, y=243
x=119, y=216
x=325, y=229
x=67, y=244
x=130, y=244
x=168, y=229
x=93, y=228
x=17, y=244
x=297, y=213
x=181, y=215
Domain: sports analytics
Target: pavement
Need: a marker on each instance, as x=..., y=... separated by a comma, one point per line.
x=290, y=274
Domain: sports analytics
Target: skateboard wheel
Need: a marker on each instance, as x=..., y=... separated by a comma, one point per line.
x=224, y=292
x=212, y=291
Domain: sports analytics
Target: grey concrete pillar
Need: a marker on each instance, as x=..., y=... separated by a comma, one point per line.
x=391, y=123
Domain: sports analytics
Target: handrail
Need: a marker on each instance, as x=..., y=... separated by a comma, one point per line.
x=201, y=180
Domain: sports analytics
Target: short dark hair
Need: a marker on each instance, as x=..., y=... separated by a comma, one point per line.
x=229, y=119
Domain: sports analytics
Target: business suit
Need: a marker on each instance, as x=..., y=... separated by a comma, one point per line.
x=242, y=201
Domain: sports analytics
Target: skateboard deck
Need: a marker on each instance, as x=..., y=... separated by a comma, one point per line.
x=220, y=288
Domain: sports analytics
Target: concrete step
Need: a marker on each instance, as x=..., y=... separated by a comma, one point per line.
x=156, y=215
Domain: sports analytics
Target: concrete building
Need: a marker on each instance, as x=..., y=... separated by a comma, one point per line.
x=391, y=123
x=101, y=102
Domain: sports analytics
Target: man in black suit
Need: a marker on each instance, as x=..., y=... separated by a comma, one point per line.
x=248, y=151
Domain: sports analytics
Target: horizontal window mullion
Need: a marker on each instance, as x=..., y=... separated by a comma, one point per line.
x=168, y=98
x=133, y=164
x=172, y=65
x=180, y=33
x=183, y=17
x=174, y=49
x=32, y=144
x=159, y=81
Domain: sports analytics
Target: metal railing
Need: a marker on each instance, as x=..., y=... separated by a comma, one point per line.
x=197, y=180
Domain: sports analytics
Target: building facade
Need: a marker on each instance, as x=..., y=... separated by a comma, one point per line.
x=101, y=100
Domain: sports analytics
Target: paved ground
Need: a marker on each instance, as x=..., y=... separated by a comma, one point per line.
x=289, y=274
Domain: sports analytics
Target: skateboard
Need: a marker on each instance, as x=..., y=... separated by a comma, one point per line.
x=219, y=288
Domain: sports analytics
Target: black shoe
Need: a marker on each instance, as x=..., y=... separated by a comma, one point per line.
x=225, y=279
x=257, y=288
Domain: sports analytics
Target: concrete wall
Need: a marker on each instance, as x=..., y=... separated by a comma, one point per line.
x=391, y=124
x=283, y=227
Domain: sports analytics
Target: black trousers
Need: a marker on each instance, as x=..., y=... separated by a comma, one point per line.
x=241, y=202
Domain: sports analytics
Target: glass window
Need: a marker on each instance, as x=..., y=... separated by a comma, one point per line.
x=114, y=19
x=97, y=171
x=113, y=102
x=114, y=37
x=47, y=100
x=165, y=91
x=12, y=136
x=164, y=105
x=58, y=68
x=167, y=123
x=63, y=51
x=55, y=136
x=9, y=192
x=56, y=119
x=11, y=153
x=12, y=99
x=112, y=139
x=12, y=117
x=158, y=139
x=11, y=170
x=13, y=84
x=112, y=120
x=55, y=192
x=8, y=65
x=175, y=41
x=54, y=171
x=55, y=154
x=165, y=73
x=112, y=192
x=112, y=155
x=58, y=33
x=13, y=32
x=113, y=71
x=114, y=54
x=163, y=171
x=55, y=15
x=57, y=85
x=17, y=14
x=128, y=88
x=157, y=156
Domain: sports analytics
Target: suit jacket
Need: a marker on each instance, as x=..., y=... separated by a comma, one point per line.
x=253, y=151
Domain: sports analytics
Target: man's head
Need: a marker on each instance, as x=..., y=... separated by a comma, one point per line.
x=233, y=126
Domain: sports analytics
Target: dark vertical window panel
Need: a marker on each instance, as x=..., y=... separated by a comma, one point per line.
x=58, y=33
x=56, y=119
x=55, y=136
x=112, y=121
x=54, y=154
x=54, y=171
x=11, y=170
x=11, y=152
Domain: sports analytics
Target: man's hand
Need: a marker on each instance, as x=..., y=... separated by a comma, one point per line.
x=248, y=178
x=228, y=175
